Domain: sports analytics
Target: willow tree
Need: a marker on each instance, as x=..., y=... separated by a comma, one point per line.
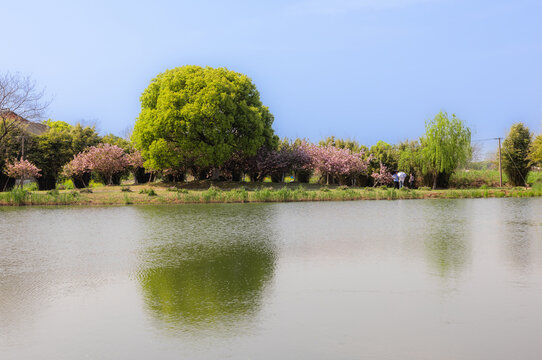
x=445, y=146
x=200, y=116
x=515, y=152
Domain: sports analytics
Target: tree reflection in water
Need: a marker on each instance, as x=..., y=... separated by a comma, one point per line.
x=208, y=279
x=446, y=240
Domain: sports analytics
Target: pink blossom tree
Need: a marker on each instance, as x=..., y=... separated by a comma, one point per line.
x=383, y=177
x=22, y=170
x=107, y=160
x=334, y=162
x=78, y=169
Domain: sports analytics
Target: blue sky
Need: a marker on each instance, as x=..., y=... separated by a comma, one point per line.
x=367, y=69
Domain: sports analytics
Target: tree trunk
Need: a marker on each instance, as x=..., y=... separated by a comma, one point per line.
x=215, y=174
x=435, y=177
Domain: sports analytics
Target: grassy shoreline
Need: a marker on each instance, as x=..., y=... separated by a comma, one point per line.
x=249, y=193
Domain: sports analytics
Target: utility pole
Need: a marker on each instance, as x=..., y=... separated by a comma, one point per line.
x=500, y=164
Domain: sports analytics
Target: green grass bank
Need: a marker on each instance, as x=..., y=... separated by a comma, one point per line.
x=233, y=193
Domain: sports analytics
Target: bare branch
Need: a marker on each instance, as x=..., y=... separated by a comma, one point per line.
x=19, y=99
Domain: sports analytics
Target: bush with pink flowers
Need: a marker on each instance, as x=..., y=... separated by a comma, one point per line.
x=22, y=170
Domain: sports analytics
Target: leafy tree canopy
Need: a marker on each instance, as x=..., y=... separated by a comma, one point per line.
x=51, y=150
x=201, y=116
x=515, y=152
x=445, y=146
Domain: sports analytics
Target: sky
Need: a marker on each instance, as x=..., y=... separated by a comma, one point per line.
x=368, y=70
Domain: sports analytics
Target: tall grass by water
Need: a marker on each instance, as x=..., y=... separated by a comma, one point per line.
x=161, y=195
x=25, y=197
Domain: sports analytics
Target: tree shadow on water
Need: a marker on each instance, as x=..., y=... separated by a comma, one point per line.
x=446, y=243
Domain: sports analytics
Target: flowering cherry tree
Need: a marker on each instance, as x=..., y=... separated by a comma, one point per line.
x=106, y=160
x=336, y=162
x=78, y=169
x=383, y=177
x=22, y=170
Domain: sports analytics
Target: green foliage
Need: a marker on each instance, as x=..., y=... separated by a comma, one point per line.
x=19, y=196
x=515, y=152
x=94, y=184
x=445, y=146
x=51, y=150
x=53, y=192
x=385, y=154
x=118, y=141
x=127, y=200
x=68, y=184
x=349, y=144
x=535, y=152
x=464, y=179
x=149, y=192
x=409, y=157
x=31, y=186
x=200, y=116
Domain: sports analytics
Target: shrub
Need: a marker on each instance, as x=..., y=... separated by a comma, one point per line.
x=149, y=192
x=95, y=184
x=31, y=186
x=68, y=184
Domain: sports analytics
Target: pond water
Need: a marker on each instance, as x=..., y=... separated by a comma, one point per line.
x=415, y=279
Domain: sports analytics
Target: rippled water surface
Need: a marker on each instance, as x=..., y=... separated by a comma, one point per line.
x=428, y=279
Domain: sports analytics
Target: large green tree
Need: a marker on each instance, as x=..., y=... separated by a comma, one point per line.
x=515, y=153
x=199, y=116
x=445, y=146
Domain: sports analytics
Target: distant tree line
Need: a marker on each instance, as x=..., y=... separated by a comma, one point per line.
x=206, y=123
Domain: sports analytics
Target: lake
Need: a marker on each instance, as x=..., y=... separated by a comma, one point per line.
x=407, y=279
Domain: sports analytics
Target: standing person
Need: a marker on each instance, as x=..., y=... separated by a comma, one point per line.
x=395, y=180
x=411, y=181
x=402, y=176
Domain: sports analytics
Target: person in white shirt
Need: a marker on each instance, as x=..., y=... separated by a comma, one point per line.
x=402, y=177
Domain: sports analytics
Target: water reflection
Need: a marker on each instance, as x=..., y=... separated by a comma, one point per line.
x=519, y=227
x=209, y=279
x=446, y=232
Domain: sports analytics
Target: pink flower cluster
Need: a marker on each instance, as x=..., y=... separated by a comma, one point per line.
x=383, y=177
x=22, y=170
x=337, y=162
x=105, y=159
x=135, y=159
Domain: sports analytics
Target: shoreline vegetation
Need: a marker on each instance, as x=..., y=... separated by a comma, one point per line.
x=235, y=192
